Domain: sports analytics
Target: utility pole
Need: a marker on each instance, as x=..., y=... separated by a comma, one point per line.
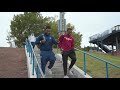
x=61, y=24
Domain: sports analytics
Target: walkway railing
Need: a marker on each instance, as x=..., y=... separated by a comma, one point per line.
x=34, y=60
x=106, y=62
x=97, y=36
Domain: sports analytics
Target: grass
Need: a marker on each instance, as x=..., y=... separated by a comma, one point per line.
x=97, y=68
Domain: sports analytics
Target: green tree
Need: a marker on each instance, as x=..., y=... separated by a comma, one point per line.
x=78, y=39
x=71, y=26
x=23, y=25
x=54, y=27
x=9, y=39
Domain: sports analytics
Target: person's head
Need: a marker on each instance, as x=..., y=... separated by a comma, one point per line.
x=47, y=30
x=69, y=31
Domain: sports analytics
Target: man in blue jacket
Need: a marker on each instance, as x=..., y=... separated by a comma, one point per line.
x=46, y=42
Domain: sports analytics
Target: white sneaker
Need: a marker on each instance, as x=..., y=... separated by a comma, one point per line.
x=50, y=71
x=66, y=76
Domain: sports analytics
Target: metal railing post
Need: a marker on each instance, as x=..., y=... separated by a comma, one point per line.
x=107, y=70
x=30, y=55
x=37, y=71
x=102, y=60
x=84, y=64
x=33, y=59
x=27, y=45
x=29, y=49
x=33, y=66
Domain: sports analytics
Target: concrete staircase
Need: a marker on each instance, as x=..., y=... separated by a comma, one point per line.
x=57, y=69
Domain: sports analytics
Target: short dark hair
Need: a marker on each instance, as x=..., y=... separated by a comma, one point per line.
x=48, y=27
x=69, y=29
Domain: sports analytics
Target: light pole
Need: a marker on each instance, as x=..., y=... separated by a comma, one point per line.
x=61, y=24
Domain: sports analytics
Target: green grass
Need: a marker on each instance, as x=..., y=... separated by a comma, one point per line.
x=97, y=68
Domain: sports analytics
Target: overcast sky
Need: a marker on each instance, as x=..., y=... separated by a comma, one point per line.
x=87, y=23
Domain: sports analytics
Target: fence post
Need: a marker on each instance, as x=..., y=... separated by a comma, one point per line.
x=33, y=66
x=31, y=55
x=107, y=70
x=37, y=71
x=84, y=64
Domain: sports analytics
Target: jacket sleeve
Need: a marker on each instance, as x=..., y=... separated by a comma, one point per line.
x=60, y=41
x=38, y=40
x=54, y=41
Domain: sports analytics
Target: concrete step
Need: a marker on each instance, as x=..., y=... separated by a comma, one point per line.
x=57, y=69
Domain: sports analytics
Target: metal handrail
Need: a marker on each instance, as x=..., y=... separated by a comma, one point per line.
x=34, y=58
x=85, y=53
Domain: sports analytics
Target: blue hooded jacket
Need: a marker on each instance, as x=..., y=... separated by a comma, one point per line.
x=47, y=46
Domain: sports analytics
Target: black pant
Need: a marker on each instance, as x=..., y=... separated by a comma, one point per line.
x=65, y=55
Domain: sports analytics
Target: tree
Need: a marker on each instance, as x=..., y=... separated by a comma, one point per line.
x=9, y=39
x=54, y=27
x=71, y=26
x=23, y=25
x=86, y=48
x=78, y=39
